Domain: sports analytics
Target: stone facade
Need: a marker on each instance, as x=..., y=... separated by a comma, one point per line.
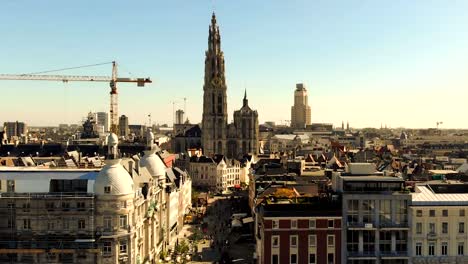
x=218, y=137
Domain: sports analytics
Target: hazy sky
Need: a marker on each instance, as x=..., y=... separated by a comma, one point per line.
x=401, y=63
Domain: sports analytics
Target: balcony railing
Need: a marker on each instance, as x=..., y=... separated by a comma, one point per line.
x=362, y=254
x=432, y=235
x=394, y=225
x=394, y=254
x=361, y=225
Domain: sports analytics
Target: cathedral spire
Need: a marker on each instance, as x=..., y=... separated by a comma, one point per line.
x=246, y=101
x=214, y=39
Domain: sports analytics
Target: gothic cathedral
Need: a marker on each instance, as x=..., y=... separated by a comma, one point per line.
x=219, y=137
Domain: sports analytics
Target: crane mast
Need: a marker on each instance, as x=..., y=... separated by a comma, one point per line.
x=113, y=80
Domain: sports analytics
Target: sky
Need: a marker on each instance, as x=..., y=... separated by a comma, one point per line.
x=372, y=63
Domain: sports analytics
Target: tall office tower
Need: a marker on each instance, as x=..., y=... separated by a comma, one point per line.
x=300, y=112
x=179, y=116
x=124, y=129
x=15, y=129
x=102, y=119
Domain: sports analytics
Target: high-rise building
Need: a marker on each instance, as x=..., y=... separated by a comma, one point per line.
x=300, y=111
x=218, y=137
x=124, y=129
x=102, y=119
x=15, y=129
x=179, y=116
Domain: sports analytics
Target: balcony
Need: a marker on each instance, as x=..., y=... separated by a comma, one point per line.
x=394, y=255
x=432, y=236
x=359, y=226
x=393, y=225
x=362, y=255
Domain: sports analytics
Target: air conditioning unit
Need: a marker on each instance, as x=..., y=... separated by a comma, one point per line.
x=368, y=225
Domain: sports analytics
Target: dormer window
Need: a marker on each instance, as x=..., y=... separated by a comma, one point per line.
x=107, y=189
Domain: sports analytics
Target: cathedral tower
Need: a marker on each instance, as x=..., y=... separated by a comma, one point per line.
x=214, y=120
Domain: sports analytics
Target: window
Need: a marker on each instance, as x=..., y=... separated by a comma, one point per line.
x=65, y=206
x=26, y=207
x=444, y=249
x=274, y=259
x=311, y=258
x=445, y=212
x=418, y=228
x=11, y=222
x=275, y=241
x=293, y=259
x=461, y=249
x=275, y=224
x=10, y=185
x=107, y=222
x=431, y=249
x=123, y=247
x=293, y=241
x=293, y=224
x=385, y=244
x=461, y=227
x=331, y=258
x=462, y=212
x=80, y=205
x=27, y=224
x=107, y=189
x=107, y=248
x=330, y=223
x=419, y=213
x=312, y=224
x=50, y=205
x=432, y=213
x=123, y=221
x=418, y=249
x=81, y=224
x=50, y=225
x=331, y=240
x=353, y=211
x=123, y=204
x=444, y=228
x=66, y=224
x=312, y=240
x=432, y=228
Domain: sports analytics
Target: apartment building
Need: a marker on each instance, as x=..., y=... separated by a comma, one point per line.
x=217, y=173
x=115, y=214
x=438, y=231
x=297, y=229
x=375, y=214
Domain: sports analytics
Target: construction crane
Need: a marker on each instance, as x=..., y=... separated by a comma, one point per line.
x=113, y=80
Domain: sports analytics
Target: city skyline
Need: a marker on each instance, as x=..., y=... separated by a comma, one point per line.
x=400, y=64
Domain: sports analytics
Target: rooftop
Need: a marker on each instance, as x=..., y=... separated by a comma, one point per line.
x=441, y=194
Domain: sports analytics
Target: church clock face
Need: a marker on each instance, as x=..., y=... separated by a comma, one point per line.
x=216, y=81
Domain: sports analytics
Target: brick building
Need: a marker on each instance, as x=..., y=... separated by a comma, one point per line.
x=297, y=228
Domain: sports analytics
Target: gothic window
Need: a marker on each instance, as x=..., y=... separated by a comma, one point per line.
x=244, y=147
x=244, y=129
x=213, y=102
x=219, y=128
x=220, y=147
x=220, y=104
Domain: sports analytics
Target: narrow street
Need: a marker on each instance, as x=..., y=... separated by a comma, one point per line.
x=220, y=244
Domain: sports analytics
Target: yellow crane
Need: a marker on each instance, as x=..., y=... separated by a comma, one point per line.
x=113, y=80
